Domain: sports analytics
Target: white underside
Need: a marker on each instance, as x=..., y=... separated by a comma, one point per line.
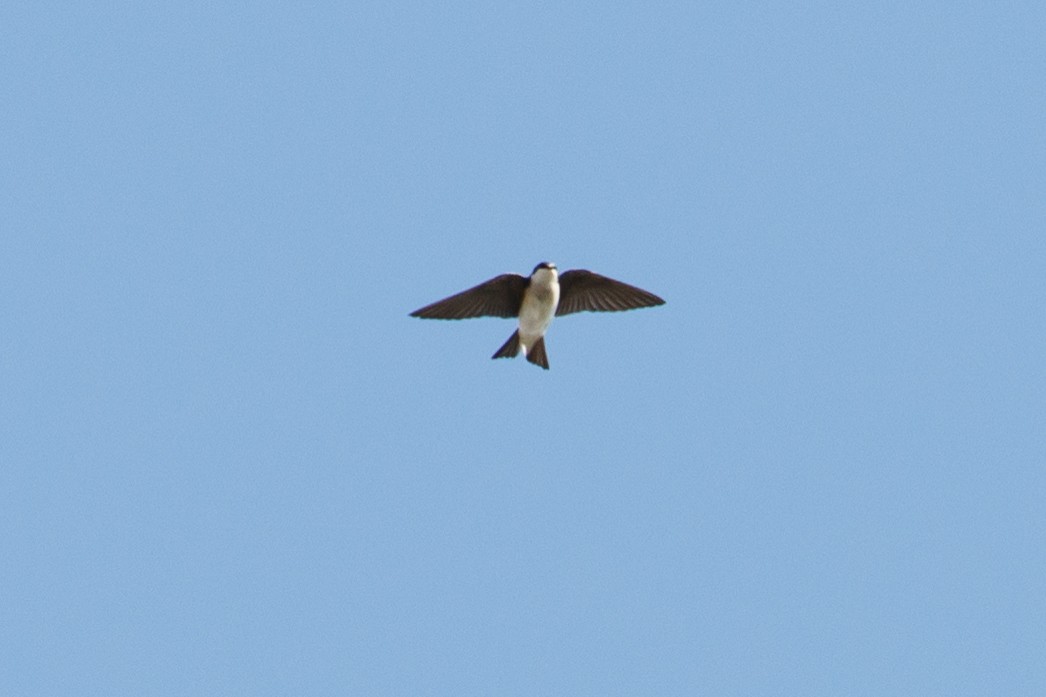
x=539, y=307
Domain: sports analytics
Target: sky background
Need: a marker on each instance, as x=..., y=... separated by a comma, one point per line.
x=231, y=464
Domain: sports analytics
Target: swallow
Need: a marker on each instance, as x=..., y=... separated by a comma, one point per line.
x=535, y=300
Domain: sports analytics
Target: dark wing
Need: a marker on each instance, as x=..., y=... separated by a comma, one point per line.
x=498, y=297
x=581, y=291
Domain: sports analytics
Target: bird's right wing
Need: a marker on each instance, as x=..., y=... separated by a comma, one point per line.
x=499, y=297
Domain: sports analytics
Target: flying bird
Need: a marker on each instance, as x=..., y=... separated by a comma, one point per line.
x=535, y=300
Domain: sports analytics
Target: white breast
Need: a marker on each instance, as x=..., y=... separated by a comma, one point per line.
x=539, y=306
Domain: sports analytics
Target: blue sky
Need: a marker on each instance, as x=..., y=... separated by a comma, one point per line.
x=232, y=464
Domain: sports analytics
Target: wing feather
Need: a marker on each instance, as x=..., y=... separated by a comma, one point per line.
x=584, y=291
x=499, y=297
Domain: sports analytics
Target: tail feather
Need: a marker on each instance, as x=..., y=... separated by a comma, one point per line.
x=537, y=355
x=510, y=348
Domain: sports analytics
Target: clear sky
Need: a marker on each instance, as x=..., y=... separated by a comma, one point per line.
x=231, y=464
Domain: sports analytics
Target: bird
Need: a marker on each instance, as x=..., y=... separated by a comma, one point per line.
x=535, y=300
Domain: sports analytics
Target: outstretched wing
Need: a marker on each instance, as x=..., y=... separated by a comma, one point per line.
x=498, y=297
x=581, y=291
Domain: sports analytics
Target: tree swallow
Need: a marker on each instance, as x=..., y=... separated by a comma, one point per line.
x=535, y=301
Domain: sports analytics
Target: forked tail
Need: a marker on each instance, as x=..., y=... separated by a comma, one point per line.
x=536, y=353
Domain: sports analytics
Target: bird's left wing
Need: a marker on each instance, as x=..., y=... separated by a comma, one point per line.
x=581, y=291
